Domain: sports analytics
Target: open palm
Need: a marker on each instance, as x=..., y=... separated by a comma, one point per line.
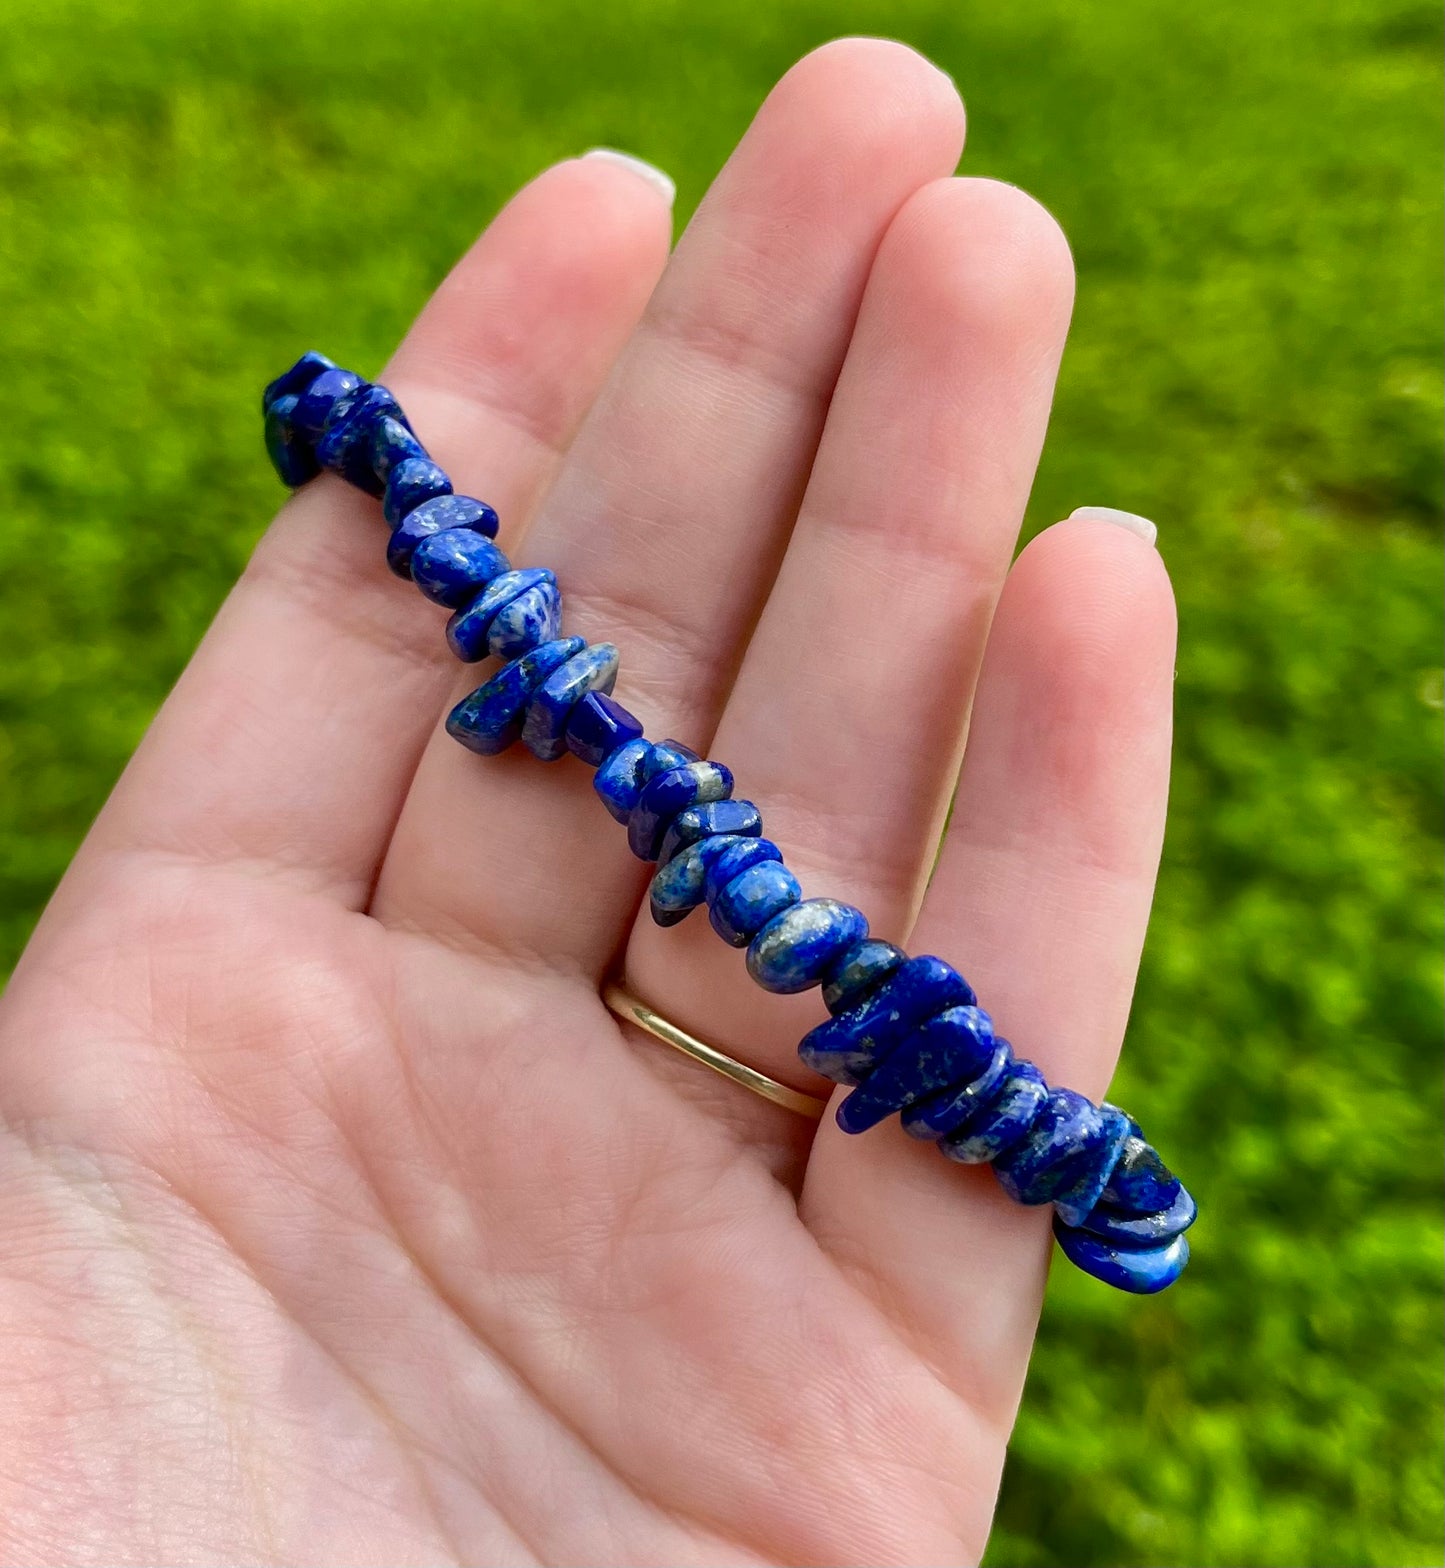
x=339, y=1222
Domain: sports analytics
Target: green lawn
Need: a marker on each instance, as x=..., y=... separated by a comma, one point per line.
x=191, y=192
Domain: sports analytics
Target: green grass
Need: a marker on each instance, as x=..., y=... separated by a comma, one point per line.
x=190, y=193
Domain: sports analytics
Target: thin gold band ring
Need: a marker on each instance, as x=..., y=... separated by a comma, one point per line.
x=626, y=1006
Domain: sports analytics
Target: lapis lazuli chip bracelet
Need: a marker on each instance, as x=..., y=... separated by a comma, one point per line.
x=906, y=1033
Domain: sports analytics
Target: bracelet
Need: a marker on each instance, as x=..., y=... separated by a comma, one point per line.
x=906, y=1033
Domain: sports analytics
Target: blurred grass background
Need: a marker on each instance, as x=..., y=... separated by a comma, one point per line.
x=191, y=193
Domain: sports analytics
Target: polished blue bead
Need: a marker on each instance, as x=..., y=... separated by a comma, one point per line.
x=735, y=856
x=848, y=1047
x=939, y=1114
x=1091, y=1170
x=345, y=443
x=665, y=755
x=469, y=631
x=752, y=899
x=859, y=972
x=598, y=726
x=680, y=885
x=676, y=888
x=293, y=382
x=1041, y=1163
x=1140, y=1182
x=491, y=718
x=1140, y=1273
x=719, y=816
x=665, y=794
x=619, y=779
x=1069, y=1138
x=453, y=567
x=434, y=517
x=796, y=948
x=392, y=444
x=1000, y=1122
x=545, y=731
x=410, y=483
x=953, y=1048
x=345, y=446
x=331, y=392
x=1136, y=1232
x=533, y=616
x=291, y=453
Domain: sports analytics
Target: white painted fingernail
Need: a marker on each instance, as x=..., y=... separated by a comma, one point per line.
x=644, y=171
x=1110, y=514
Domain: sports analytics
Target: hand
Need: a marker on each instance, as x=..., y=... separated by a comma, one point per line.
x=339, y=1222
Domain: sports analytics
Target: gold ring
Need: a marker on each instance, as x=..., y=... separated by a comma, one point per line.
x=628, y=1007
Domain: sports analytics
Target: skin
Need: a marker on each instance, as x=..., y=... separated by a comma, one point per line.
x=339, y=1222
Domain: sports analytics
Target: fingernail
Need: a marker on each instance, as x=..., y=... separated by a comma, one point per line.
x=1110, y=514
x=644, y=171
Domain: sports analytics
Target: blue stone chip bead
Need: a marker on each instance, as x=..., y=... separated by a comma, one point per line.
x=531, y=617
x=1140, y=1183
x=751, y=900
x=1067, y=1155
x=798, y=947
x=676, y=889
x=469, y=631
x=954, y=1047
x=937, y=1115
x=848, y=1047
x=665, y=794
x=679, y=885
x=345, y=446
x=691, y=876
x=392, y=444
x=621, y=779
x=435, y=516
x=545, y=731
x=411, y=482
x=859, y=972
x=330, y=391
x=291, y=453
x=1075, y=1201
x=1042, y=1164
x=1141, y=1273
x=491, y=717
x=598, y=726
x=667, y=754
x=719, y=816
x=452, y=568
x=664, y=756
x=293, y=382
x=735, y=855
x=1137, y=1232
x=1002, y=1121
